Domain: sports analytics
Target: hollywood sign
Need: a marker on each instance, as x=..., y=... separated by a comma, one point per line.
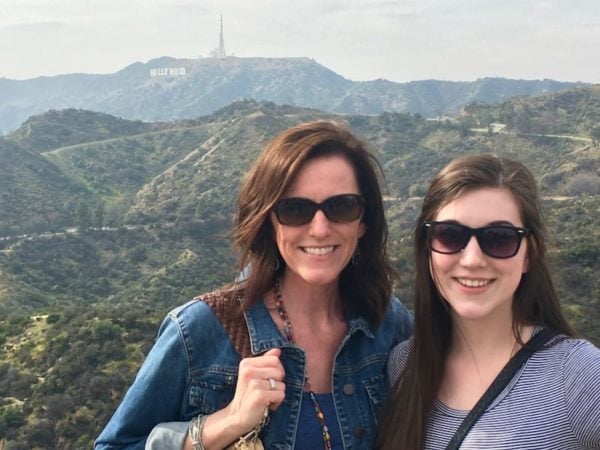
x=167, y=72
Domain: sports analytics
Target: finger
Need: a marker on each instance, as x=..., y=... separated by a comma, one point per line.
x=270, y=358
x=274, y=352
x=267, y=359
x=274, y=385
x=262, y=367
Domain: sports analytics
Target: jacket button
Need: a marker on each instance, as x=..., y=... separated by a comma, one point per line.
x=348, y=389
x=359, y=432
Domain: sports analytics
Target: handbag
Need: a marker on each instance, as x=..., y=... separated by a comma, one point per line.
x=498, y=385
x=251, y=441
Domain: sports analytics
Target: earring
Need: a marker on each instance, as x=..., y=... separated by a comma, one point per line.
x=276, y=264
x=355, y=256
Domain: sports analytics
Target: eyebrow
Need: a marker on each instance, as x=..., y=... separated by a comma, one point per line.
x=503, y=222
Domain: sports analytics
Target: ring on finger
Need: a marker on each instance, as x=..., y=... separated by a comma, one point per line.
x=272, y=384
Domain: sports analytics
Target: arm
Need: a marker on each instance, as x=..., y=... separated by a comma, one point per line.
x=582, y=392
x=253, y=395
x=159, y=394
x=155, y=395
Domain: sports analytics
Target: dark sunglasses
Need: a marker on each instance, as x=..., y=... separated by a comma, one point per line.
x=300, y=211
x=497, y=241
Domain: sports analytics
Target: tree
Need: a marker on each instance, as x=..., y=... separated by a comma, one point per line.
x=522, y=120
x=84, y=217
x=596, y=136
x=99, y=215
x=584, y=183
x=10, y=418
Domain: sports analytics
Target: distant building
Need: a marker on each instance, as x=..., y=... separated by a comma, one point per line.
x=219, y=52
x=496, y=127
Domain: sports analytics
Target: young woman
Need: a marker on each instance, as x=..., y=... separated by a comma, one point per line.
x=483, y=289
x=313, y=306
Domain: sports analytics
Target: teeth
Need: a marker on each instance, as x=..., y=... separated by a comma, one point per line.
x=318, y=250
x=473, y=283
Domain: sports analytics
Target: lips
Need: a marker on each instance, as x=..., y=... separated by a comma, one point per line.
x=318, y=251
x=473, y=283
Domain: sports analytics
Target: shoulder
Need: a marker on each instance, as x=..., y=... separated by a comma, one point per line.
x=573, y=360
x=573, y=353
x=204, y=305
x=194, y=311
x=399, y=318
x=581, y=360
x=581, y=372
x=397, y=359
x=397, y=309
x=199, y=316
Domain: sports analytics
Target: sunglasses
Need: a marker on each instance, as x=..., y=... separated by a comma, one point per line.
x=497, y=241
x=298, y=211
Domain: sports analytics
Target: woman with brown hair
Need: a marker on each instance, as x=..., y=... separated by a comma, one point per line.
x=303, y=337
x=484, y=299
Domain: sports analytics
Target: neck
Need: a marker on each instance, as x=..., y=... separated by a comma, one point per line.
x=309, y=301
x=483, y=335
x=478, y=351
x=487, y=339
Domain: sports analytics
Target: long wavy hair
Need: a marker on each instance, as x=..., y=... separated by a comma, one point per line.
x=366, y=286
x=403, y=425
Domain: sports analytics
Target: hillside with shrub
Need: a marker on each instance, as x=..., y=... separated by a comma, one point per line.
x=106, y=231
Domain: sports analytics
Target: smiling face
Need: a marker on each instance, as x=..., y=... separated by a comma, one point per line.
x=478, y=286
x=316, y=253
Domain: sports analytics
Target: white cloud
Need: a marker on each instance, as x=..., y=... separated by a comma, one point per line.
x=359, y=39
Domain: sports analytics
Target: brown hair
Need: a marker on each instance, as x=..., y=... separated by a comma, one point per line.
x=366, y=287
x=534, y=302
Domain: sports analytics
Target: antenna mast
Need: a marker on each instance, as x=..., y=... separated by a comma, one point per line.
x=221, y=52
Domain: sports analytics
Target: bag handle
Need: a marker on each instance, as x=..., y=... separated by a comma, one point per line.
x=498, y=385
x=234, y=323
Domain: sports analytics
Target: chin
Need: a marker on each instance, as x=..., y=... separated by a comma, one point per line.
x=320, y=279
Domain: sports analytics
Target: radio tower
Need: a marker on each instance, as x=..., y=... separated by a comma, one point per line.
x=221, y=50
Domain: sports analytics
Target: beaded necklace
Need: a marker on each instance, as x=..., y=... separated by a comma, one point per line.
x=287, y=329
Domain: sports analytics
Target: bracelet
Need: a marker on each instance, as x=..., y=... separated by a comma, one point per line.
x=195, y=431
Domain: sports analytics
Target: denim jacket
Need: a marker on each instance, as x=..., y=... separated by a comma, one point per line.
x=192, y=369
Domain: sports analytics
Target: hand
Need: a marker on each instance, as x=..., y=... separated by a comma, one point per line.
x=255, y=392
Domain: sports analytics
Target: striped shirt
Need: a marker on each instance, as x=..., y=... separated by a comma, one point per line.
x=552, y=402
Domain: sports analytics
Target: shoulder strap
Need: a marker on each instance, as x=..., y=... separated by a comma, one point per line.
x=227, y=311
x=500, y=382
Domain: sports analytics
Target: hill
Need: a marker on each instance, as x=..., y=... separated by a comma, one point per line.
x=571, y=112
x=35, y=195
x=61, y=128
x=125, y=220
x=167, y=89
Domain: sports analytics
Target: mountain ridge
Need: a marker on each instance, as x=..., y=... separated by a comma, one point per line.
x=167, y=88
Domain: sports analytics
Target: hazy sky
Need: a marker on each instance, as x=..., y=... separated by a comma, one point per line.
x=400, y=40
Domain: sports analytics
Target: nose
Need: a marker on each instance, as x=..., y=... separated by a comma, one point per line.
x=319, y=225
x=472, y=255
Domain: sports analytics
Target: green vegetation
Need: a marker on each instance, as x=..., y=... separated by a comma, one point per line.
x=107, y=230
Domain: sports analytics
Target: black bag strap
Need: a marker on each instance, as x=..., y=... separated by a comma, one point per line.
x=500, y=382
